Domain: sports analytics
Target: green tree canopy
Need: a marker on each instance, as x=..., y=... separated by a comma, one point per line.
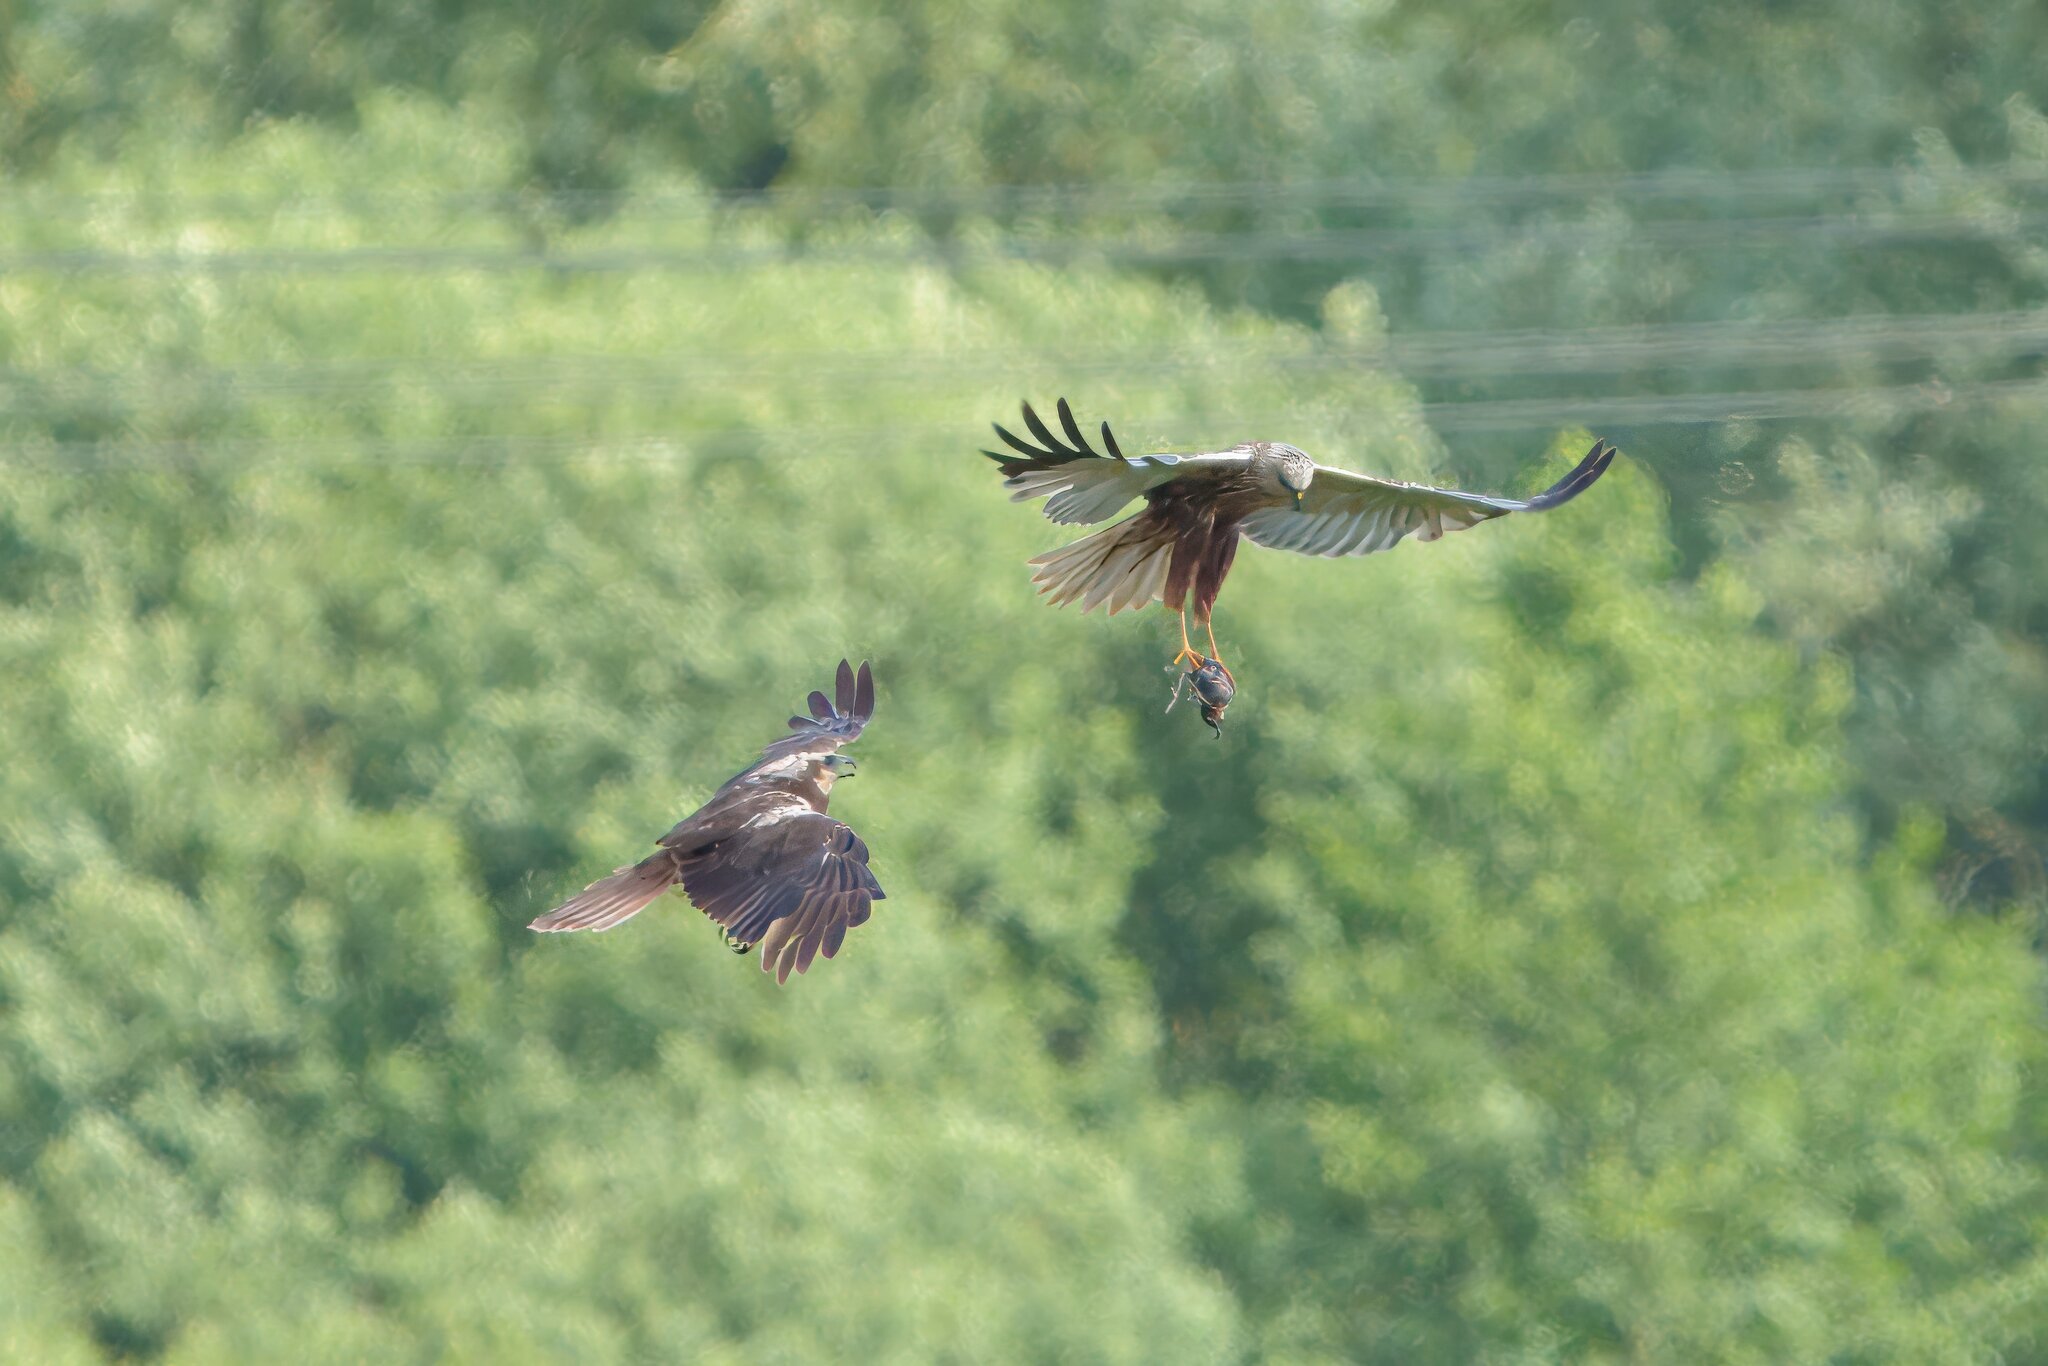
x=1518, y=980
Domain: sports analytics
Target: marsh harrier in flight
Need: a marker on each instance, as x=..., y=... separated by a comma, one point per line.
x=1197, y=506
x=761, y=858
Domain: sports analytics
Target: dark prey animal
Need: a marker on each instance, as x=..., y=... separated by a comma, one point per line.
x=1197, y=507
x=1213, y=688
x=761, y=858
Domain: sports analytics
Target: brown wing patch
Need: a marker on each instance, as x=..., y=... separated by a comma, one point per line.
x=791, y=886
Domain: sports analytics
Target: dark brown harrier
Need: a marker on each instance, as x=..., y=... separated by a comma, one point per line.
x=762, y=858
x=1197, y=506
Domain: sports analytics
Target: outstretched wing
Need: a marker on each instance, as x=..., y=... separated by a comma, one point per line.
x=1080, y=484
x=833, y=722
x=1355, y=514
x=791, y=881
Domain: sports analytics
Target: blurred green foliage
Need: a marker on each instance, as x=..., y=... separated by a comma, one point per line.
x=1603, y=937
x=1895, y=155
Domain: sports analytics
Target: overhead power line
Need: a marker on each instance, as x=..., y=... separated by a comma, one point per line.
x=1609, y=350
x=1475, y=355
x=1846, y=229
x=1457, y=416
x=1659, y=410
x=1356, y=192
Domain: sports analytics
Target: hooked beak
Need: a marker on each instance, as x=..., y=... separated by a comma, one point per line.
x=841, y=765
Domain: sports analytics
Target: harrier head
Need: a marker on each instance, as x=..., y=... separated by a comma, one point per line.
x=1295, y=469
x=831, y=769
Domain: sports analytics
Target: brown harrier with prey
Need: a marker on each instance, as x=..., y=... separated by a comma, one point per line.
x=761, y=858
x=1197, y=506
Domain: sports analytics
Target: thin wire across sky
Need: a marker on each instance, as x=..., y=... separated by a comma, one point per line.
x=1728, y=210
x=1678, y=185
x=1475, y=355
x=1883, y=403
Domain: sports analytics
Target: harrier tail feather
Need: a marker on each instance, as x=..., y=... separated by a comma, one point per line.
x=612, y=900
x=1123, y=565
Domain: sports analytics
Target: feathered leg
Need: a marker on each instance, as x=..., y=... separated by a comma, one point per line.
x=1209, y=575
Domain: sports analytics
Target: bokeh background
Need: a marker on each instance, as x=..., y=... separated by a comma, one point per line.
x=440, y=439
